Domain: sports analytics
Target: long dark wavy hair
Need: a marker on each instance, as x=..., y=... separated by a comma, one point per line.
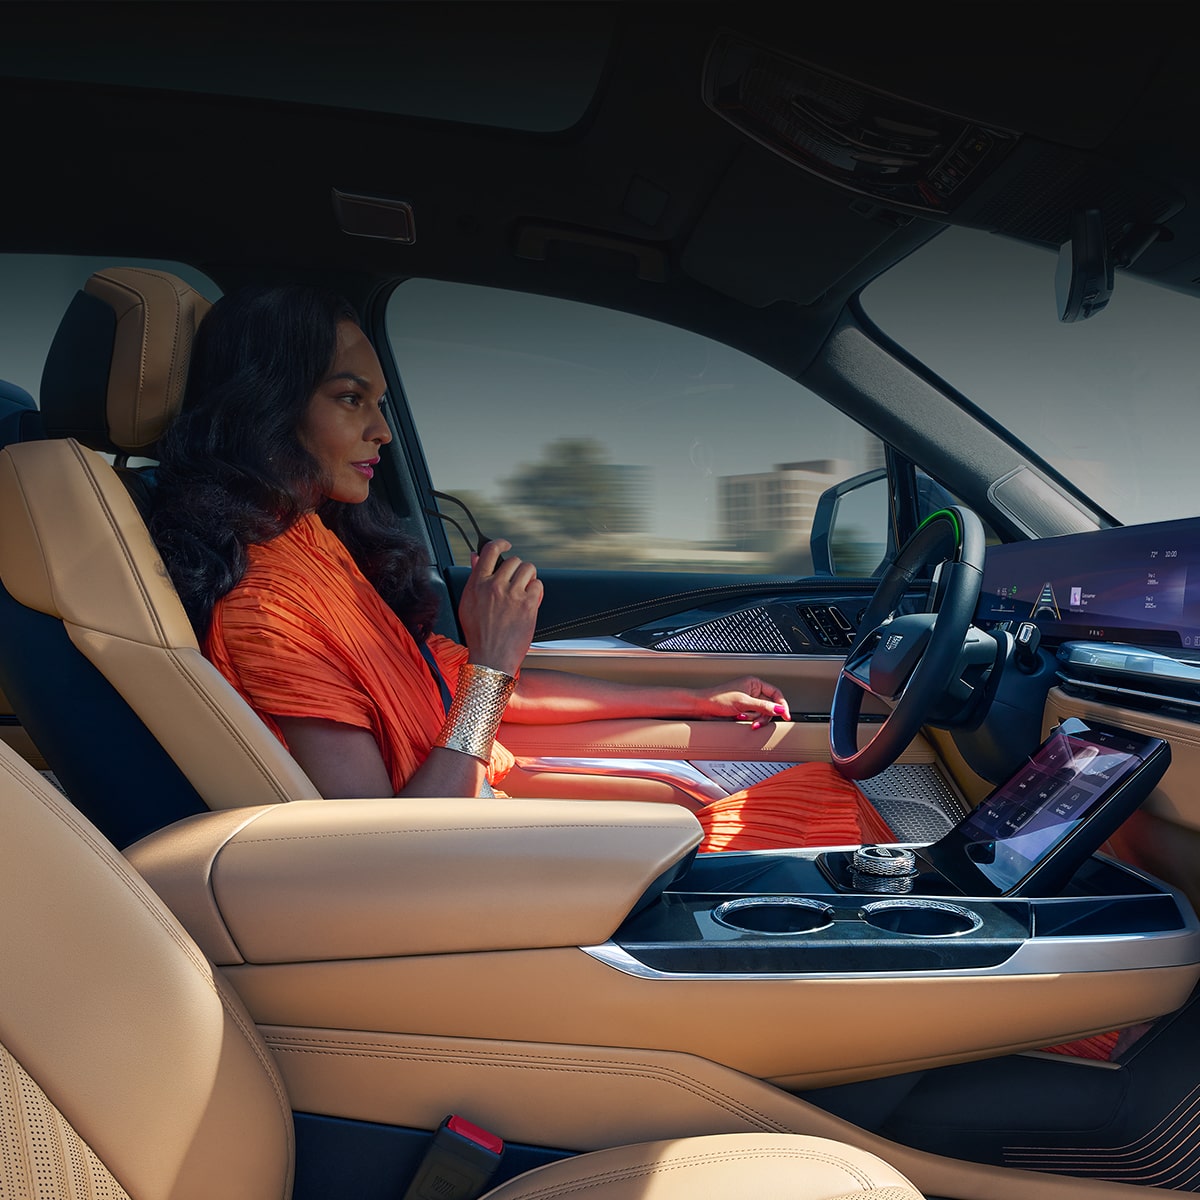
x=232, y=470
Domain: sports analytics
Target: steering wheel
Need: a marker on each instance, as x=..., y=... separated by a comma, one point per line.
x=909, y=661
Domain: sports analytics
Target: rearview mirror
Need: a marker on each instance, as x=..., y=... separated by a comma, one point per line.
x=1083, y=280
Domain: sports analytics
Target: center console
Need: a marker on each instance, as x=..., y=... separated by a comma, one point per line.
x=1016, y=887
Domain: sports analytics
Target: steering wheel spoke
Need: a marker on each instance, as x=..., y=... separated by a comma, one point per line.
x=857, y=666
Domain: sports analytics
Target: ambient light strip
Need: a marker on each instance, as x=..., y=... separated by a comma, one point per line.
x=1167, y=1155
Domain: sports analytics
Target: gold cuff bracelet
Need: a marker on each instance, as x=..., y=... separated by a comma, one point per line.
x=479, y=703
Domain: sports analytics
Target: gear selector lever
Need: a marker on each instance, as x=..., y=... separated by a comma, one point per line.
x=883, y=868
x=1027, y=640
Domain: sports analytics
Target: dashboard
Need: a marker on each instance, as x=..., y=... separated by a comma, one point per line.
x=1138, y=584
x=1130, y=590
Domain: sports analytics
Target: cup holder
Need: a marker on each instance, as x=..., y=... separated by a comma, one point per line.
x=774, y=915
x=921, y=918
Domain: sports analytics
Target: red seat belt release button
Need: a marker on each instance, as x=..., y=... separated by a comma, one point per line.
x=459, y=1164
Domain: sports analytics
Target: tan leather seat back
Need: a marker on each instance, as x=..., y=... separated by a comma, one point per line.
x=125, y=1061
x=74, y=546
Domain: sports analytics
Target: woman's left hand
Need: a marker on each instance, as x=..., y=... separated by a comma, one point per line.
x=745, y=699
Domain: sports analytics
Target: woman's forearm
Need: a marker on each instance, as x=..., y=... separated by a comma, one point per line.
x=344, y=763
x=558, y=697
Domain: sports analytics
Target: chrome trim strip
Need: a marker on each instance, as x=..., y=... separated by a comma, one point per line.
x=677, y=773
x=594, y=645
x=1037, y=956
x=1114, y=690
x=818, y=908
x=613, y=647
x=923, y=904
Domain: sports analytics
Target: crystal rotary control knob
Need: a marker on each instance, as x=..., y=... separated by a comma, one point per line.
x=884, y=860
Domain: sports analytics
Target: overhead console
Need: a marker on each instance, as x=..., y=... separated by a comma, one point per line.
x=904, y=154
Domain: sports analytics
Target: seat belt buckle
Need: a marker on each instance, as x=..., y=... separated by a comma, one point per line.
x=459, y=1164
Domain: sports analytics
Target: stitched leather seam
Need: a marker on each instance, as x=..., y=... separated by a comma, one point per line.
x=648, y=1170
x=138, y=298
x=119, y=535
x=230, y=726
x=471, y=829
x=55, y=608
x=533, y=1062
x=171, y=368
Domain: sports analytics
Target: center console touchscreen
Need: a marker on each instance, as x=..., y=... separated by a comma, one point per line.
x=1034, y=832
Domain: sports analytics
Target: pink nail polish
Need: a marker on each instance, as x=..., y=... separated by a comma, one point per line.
x=779, y=710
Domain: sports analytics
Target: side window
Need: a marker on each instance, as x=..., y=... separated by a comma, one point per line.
x=593, y=438
x=35, y=291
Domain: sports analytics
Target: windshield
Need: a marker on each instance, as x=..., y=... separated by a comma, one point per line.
x=1109, y=402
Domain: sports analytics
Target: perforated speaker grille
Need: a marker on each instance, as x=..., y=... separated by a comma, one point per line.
x=751, y=631
x=915, y=800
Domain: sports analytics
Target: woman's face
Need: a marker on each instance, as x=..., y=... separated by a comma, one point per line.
x=343, y=426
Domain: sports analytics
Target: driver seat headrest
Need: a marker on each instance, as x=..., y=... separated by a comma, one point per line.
x=116, y=370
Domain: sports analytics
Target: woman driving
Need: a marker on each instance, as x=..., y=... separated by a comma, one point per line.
x=318, y=608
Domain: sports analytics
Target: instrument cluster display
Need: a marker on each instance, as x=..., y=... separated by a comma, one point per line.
x=1137, y=583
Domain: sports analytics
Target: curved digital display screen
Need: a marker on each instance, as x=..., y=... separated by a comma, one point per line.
x=1137, y=583
x=1034, y=832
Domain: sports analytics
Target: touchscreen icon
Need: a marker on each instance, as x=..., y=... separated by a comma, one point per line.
x=1076, y=597
x=1082, y=758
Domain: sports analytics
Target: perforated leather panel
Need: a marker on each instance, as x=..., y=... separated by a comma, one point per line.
x=41, y=1156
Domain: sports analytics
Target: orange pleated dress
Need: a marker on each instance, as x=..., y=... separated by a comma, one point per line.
x=304, y=634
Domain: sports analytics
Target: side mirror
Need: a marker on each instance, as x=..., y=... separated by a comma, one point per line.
x=851, y=532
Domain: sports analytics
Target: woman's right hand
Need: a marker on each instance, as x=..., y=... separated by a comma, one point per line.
x=498, y=609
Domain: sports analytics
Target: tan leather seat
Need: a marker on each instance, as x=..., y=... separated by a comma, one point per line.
x=74, y=549
x=128, y=1068
x=74, y=546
